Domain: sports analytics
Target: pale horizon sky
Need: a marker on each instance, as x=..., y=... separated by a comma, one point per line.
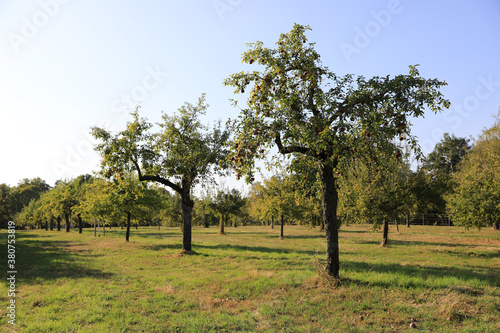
x=68, y=65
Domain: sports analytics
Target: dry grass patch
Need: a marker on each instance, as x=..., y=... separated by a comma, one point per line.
x=169, y=290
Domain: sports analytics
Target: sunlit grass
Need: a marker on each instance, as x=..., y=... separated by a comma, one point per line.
x=444, y=279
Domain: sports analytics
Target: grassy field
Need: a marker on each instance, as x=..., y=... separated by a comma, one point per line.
x=441, y=279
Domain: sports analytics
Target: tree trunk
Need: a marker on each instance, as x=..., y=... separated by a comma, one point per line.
x=272, y=222
x=330, y=200
x=397, y=226
x=51, y=224
x=66, y=218
x=95, y=230
x=282, y=224
x=187, y=209
x=221, y=224
x=46, y=225
x=496, y=225
x=385, y=233
x=58, y=223
x=80, y=223
x=408, y=220
x=127, y=233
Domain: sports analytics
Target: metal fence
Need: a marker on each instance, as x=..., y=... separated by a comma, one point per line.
x=428, y=219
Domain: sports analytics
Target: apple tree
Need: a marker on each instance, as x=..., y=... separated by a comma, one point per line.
x=300, y=107
x=182, y=153
x=375, y=195
x=225, y=203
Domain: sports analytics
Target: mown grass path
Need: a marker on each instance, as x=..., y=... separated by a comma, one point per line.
x=443, y=279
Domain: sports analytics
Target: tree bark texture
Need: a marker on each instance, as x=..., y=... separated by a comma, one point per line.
x=66, y=218
x=330, y=201
x=80, y=224
x=187, y=210
x=221, y=225
x=127, y=233
x=282, y=224
x=385, y=233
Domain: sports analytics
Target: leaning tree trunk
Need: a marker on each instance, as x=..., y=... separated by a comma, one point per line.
x=221, y=225
x=127, y=233
x=330, y=200
x=66, y=218
x=281, y=230
x=385, y=233
x=187, y=210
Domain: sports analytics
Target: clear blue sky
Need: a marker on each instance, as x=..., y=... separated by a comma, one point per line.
x=67, y=65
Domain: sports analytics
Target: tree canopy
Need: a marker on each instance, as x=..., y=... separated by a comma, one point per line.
x=299, y=106
x=181, y=154
x=475, y=200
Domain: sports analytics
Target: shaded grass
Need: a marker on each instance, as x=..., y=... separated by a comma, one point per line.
x=440, y=278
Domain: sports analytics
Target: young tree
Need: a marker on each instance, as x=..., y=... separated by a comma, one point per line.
x=179, y=156
x=256, y=203
x=375, y=196
x=64, y=200
x=132, y=198
x=30, y=216
x=302, y=108
x=280, y=199
x=95, y=203
x=224, y=204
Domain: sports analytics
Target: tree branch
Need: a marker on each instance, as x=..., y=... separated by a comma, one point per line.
x=310, y=101
x=158, y=179
x=289, y=149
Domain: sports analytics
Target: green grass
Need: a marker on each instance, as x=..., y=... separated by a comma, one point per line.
x=443, y=279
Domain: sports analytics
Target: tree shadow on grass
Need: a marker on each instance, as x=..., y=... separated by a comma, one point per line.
x=277, y=236
x=415, y=276
x=354, y=231
x=488, y=255
x=158, y=235
x=397, y=242
x=39, y=260
x=198, y=248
